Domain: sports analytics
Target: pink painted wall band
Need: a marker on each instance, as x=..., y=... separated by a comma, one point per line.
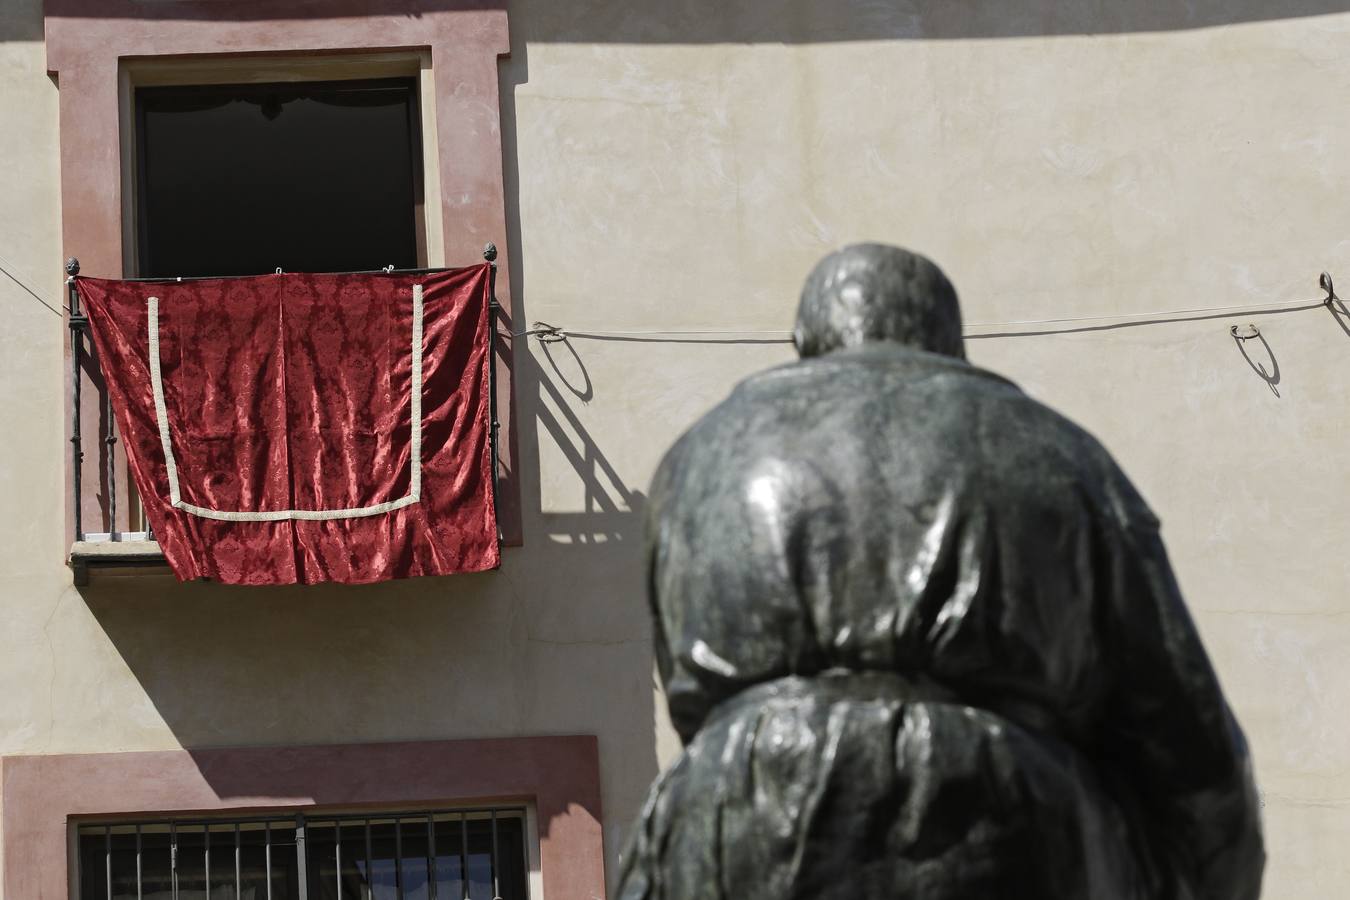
x=41, y=795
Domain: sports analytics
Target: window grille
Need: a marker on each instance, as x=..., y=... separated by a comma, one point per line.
x=469, y=854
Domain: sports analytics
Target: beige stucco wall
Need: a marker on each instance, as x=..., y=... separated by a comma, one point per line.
x=659, y=179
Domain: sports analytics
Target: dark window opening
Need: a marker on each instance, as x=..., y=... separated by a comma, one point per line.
x=243, y=179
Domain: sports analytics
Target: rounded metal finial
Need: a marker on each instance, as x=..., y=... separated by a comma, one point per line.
x=490, y=252
x=72, y=266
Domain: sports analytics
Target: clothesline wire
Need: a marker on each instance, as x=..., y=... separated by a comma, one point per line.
x=549, y=333
x=4, y=267
x=546, y=332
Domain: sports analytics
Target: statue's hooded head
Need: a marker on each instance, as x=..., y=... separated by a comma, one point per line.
x=868, y=293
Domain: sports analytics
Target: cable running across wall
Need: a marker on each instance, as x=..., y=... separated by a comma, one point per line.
x=547, y=333
x=32, y=293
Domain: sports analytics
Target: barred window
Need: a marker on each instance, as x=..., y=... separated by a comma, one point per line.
x=444, y=855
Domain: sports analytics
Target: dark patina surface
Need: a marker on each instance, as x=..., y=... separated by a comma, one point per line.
x=921, y=639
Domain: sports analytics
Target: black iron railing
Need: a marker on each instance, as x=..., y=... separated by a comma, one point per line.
x=81, y=353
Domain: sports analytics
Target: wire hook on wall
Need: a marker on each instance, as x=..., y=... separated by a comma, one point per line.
x=1244, y=332
x=1325, y=283
x=544, y=333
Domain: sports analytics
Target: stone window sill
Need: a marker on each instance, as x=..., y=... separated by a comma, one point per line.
x=142, y=557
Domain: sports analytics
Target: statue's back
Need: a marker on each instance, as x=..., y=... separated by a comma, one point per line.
x=921, y=639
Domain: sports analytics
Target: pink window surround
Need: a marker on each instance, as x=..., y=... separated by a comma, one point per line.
x=559, y=775
x=88, y=40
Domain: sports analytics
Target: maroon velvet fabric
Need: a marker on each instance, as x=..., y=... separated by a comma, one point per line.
x=293, y=392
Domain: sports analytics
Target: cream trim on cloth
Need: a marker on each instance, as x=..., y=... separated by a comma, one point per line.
x=281, y=515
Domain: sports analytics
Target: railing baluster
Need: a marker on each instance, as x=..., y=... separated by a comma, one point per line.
x=494, y=308
x=111, y=442
x=77, y=322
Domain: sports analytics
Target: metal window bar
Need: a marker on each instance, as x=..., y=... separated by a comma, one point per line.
x=370, y=878
x=398, y=858
x=301, y=870
x=78, y=323
x=464, y=852
x=431, y=856
x=496, y=890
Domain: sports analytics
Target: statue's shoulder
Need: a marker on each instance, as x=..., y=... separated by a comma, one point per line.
x=1098, y=473
x=794, y=414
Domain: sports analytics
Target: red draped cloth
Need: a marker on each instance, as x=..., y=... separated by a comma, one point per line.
x=302, y=428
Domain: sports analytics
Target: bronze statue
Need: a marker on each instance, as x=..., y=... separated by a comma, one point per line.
x=921, y=639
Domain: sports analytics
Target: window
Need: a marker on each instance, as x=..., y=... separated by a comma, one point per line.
x=248, y=177
x=307, y=176
x=104, y=62
x=450, y=855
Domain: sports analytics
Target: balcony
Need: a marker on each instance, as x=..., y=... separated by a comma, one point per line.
x=107, y=523
x=109, y=526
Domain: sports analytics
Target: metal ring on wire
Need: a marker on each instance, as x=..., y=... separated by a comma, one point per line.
x=1254, y=332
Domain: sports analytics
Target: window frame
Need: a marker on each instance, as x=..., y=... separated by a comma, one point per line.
x=304, y=821
x=137, y=73
x=94, y=54
x=45, y=798
x=415, y=218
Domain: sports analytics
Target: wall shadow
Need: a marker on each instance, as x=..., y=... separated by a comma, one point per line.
x=20, y=20
x=811, y=21
x=767, y=21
